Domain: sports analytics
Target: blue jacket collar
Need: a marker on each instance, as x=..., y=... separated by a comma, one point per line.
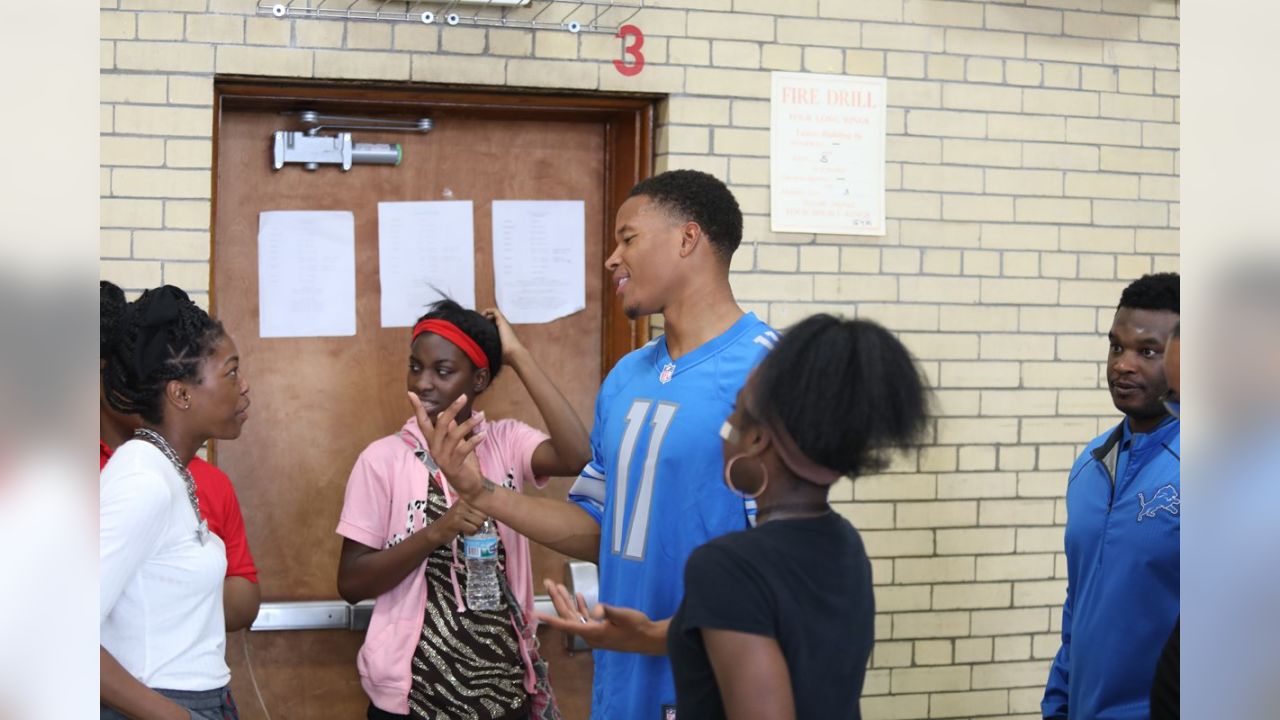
x=1166, y=434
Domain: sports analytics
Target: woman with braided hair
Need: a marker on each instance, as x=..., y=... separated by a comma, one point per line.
x=217, y=496
x=425, y=654
x=161, y=570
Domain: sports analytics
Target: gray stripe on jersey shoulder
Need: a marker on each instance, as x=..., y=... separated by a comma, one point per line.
x=589, y=487
x=768, y=339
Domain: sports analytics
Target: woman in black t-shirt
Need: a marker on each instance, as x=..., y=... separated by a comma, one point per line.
x=777, y=621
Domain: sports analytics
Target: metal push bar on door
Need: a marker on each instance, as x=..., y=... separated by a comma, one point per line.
x=337, y=615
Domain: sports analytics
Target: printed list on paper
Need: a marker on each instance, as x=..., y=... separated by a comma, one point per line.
x=425, y=250
x=539, y=258
x=306, y=274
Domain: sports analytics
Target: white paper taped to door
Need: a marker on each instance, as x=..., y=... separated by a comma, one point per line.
x=306, y=274
x=539, y=257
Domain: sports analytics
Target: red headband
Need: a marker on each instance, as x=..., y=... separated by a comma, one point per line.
x=450, y=332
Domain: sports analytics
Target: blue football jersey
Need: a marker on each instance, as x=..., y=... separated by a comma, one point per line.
x=655, y=484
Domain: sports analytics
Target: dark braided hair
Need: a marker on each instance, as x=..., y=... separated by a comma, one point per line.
x=111, y=305
x=477, y=327
x=697, y=196
x=161, y=336
x=847, y=391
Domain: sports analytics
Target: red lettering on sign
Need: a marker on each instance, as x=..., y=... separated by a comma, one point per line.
x=799, y=96
x=850, y=98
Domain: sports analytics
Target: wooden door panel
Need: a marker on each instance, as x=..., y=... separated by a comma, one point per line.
x=317, y=402
x=311, y=675
x=302, y=675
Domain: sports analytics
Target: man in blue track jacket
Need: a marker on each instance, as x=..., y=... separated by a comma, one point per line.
x=1123, y=514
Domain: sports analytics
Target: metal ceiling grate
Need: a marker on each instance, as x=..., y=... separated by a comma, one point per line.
x=595, y=16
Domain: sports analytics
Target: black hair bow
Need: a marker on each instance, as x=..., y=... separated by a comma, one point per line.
x=160, y=309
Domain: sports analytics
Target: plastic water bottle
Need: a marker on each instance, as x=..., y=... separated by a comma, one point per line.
x=481, y=550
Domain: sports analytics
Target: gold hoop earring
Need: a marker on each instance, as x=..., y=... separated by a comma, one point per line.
x=728, y=477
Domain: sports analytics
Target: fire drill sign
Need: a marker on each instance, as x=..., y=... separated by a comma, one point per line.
x=827, y=154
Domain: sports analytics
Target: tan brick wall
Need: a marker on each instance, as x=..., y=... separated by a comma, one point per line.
x=1032, y=169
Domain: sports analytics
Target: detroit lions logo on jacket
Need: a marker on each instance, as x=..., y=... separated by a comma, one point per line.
x=1166, y=498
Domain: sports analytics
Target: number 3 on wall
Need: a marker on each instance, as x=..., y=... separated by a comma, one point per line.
x=630, y=50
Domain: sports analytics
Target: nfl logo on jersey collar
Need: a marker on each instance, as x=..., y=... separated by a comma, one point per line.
x=667, y=372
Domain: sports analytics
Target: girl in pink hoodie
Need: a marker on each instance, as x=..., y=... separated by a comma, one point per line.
x=425, y=654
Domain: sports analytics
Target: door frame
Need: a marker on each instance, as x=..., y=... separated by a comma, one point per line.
x=629, y=145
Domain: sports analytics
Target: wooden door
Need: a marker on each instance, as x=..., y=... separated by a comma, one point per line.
x=317, y=402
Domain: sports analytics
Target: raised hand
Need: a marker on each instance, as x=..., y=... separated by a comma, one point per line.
x=453, y=445
x=511, y=345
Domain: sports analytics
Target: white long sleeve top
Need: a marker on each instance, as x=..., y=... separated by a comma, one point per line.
x=160, y=610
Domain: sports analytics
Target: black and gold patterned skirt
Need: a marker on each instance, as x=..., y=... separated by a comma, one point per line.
x=467, y=665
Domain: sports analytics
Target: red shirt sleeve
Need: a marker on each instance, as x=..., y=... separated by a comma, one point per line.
x=220, y=507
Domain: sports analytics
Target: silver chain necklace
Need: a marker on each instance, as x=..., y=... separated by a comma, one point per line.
x=156, y=439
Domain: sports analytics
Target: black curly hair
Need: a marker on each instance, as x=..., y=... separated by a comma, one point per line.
x=111, y=305
x=847, y=391
x=697, y=196
x=161, y=336
x=1158, y=291
x=477, y=327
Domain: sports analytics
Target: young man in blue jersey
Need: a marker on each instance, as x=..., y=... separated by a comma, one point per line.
x=1123, y=519
x=653, y=490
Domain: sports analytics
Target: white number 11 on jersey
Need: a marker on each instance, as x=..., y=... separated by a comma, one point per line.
x=638, y=529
